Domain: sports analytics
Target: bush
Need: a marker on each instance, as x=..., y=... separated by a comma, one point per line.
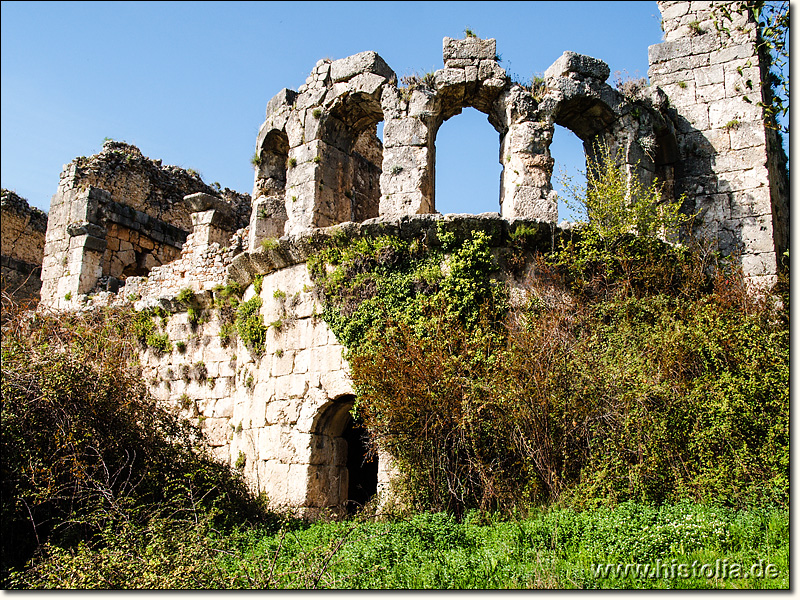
x=250, y=326
x=86, y=452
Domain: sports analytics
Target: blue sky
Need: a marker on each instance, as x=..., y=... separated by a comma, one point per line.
x=188, y=82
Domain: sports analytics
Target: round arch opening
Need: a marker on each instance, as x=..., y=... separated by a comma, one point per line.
x=467, y=167
x=346, y=467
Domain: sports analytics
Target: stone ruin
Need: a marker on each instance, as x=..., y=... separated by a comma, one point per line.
x=123, y=228
x=22, y=231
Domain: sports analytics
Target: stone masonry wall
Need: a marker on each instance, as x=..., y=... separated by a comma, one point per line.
x=119, y=214
x=730, y=165
x=280, y=415
x=22, y=231
x=119, y=227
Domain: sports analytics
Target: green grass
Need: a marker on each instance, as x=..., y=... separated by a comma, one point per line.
x=550, y=548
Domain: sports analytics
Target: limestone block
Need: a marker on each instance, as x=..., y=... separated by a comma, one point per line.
x=724, y=110
x=739, y=160
x=368, y=84
x=325, y=485
x=363, y=62
x=305, y=305
x=693, y=117
x=756, y=234
x=405, y=132
x=666, y=51
x=216, y=431
x=530, y=203
x=681, y=93
x=730, y=54
x=450, y=81
x=296, y=485
x=709, y=93
x=283, y=99
x=468, y=48
x=269, y=443
x=764, y=264
x=275, y=411
x=747, y=135
x=274, y=478
x=421, y=104
x=737, y=181
x=489, y=69
x=571, y=62
x=336, y=383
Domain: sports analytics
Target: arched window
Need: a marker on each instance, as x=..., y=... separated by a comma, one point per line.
x=467, y=165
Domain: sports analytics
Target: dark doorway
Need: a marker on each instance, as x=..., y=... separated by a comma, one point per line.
x=362, y=466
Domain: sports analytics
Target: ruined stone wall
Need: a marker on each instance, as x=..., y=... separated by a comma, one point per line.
x=119, y=214
x=320, y=163
x=730, y=165
x=22, y=231
x=281, y=415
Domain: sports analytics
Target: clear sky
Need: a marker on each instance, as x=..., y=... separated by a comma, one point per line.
x=188, y=82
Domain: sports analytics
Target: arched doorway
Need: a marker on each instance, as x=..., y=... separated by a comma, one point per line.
x=344, y=470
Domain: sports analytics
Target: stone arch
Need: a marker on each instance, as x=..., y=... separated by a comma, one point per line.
x=272, y=153
x=351, y=155
x=342, y=472
x=268, y=215
x=579, y=99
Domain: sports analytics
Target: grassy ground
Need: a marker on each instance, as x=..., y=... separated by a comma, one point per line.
x=552, y=549
x=693, y=546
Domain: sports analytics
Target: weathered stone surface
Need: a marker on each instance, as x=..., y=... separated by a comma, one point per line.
x=364, y=62
x=23, y=240
x=322, y=173
x=571, y=62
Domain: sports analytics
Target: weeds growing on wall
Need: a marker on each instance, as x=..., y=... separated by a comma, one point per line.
x=636, y=370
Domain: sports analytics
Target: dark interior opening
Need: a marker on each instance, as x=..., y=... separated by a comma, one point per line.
x=362, y=466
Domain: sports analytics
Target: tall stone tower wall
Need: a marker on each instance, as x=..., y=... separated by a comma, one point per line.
x=731, y=167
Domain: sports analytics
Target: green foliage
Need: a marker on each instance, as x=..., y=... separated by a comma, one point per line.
x=258, y=282
x=487, y=407
x=228, y=295
x=250, y=325
x=552, y=549
x=270, y=244
x=89, y=459
x=615, y=204
x=186, y=297
x=181, y=347
x=255, y=160
x=68, y=296
x=772, y=19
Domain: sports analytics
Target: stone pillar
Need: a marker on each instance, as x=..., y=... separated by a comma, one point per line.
x=213, y=220
x=525, y=188
x=267, y=220
x=730, y=164
x=74, y=244
x=408, y=175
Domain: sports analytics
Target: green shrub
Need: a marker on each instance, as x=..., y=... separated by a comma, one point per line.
x=250, y=325
x=88, y=455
